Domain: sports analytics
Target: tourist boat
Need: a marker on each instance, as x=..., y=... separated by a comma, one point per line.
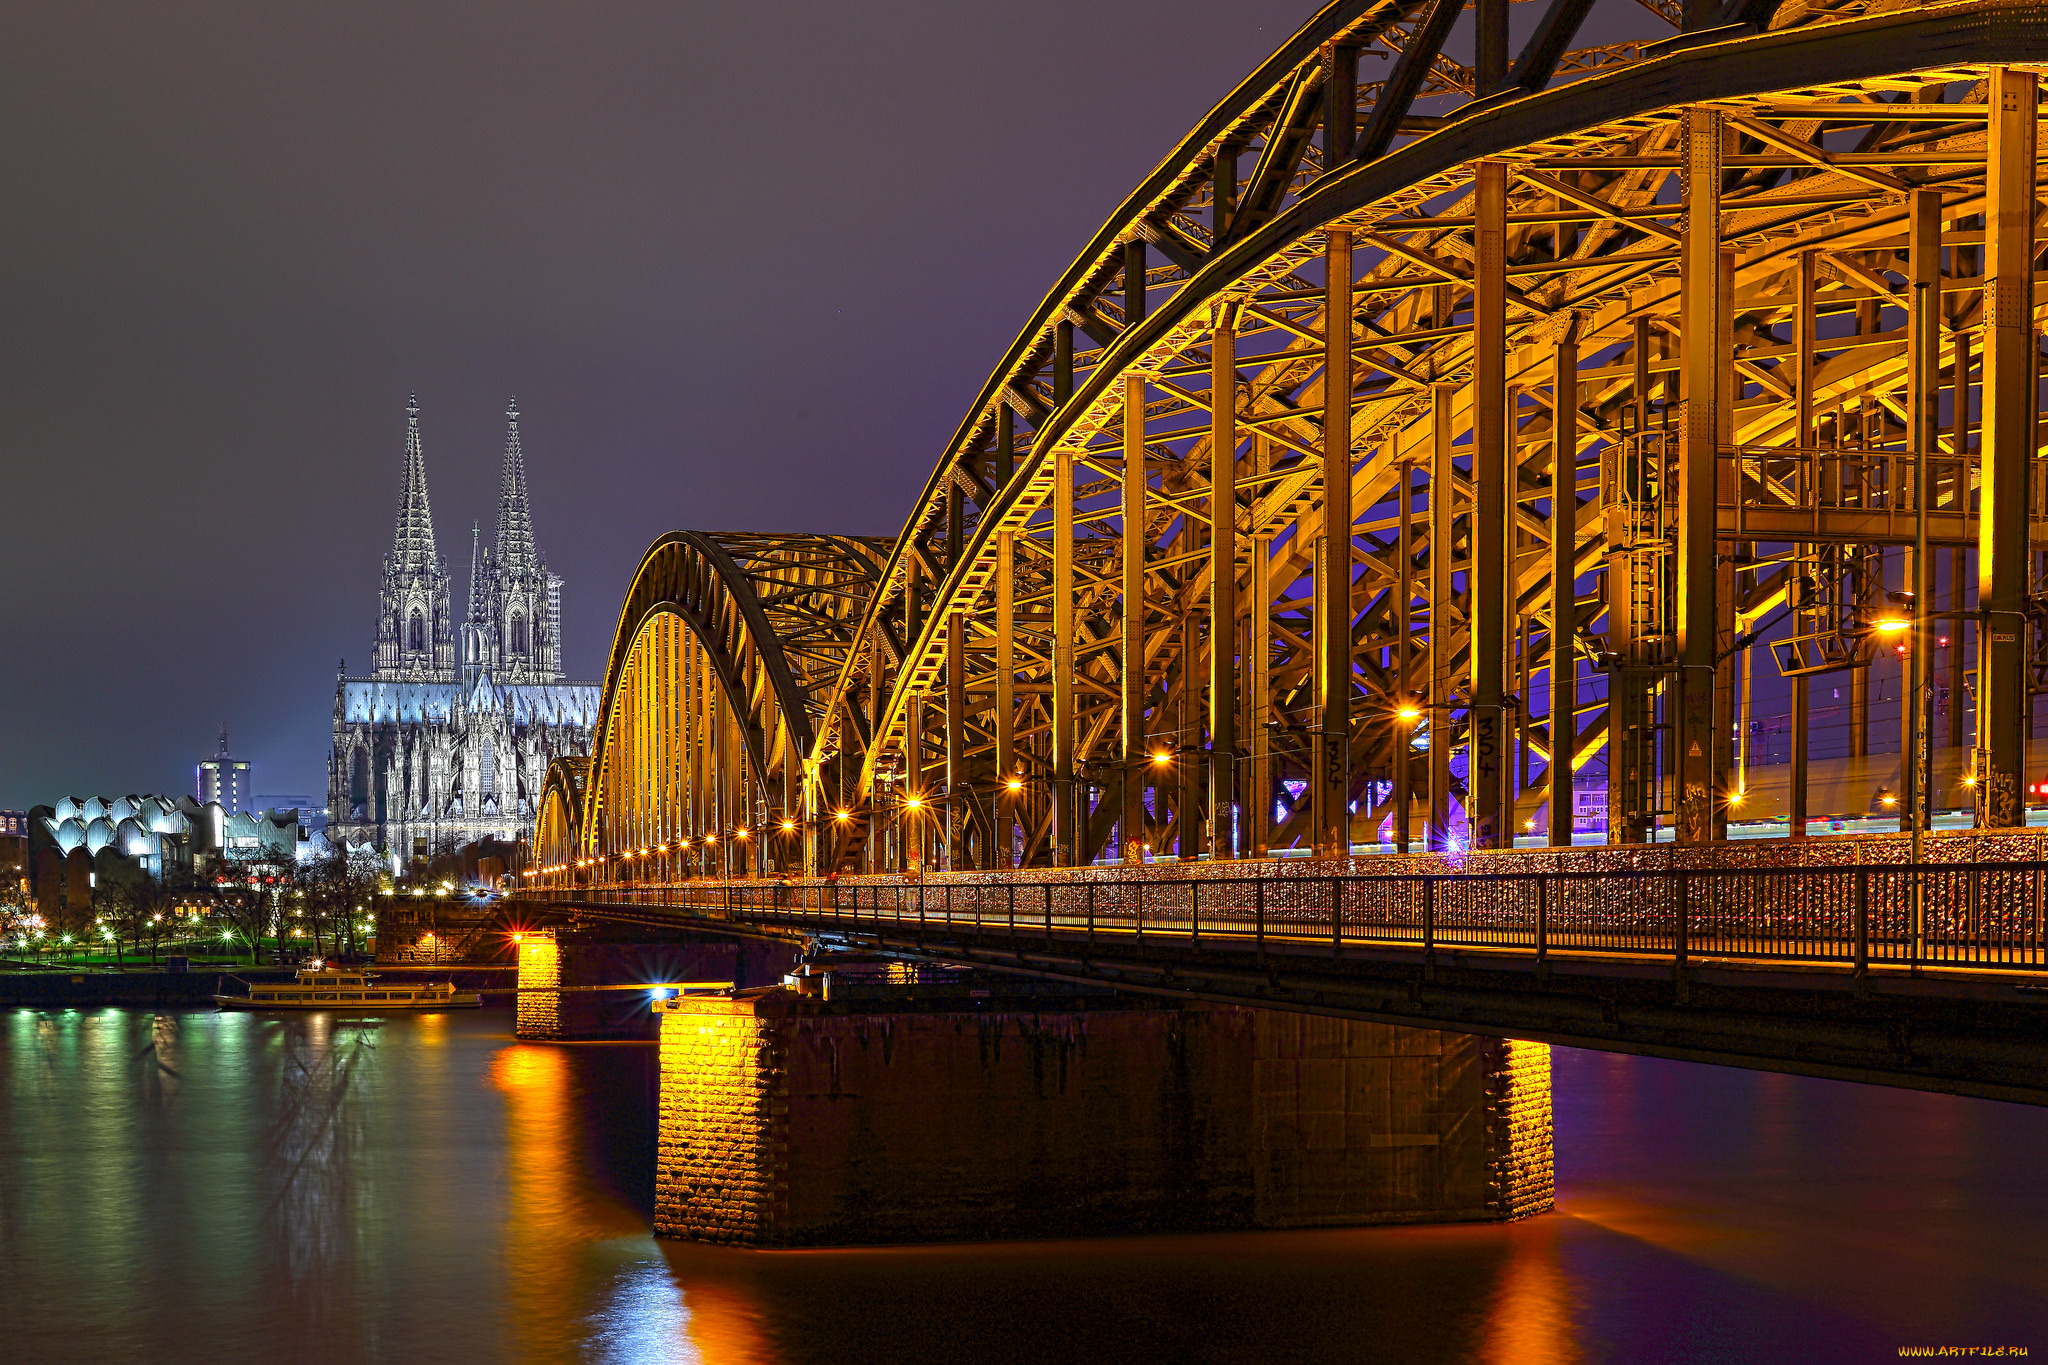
x=320, y=987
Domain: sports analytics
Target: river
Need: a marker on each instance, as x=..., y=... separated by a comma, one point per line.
x=231, y=1187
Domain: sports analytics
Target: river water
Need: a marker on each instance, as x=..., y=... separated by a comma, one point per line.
x=231, y=1187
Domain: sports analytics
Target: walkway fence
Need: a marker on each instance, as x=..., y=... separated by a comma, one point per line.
x=1987, y=916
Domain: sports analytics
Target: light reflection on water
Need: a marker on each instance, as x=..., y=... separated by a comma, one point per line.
x=195, y=1185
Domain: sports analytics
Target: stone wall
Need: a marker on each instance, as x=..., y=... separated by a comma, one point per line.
x=573, y=986
x=540, y=977
x=722, y=1142
x=1524, y=1175
x=785, y=1122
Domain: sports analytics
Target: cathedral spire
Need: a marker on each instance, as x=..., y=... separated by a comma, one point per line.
x=412, y=544
x=513, y=552
x=479, y=591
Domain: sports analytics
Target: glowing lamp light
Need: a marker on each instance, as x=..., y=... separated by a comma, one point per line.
x=1014, y=783
x=739, y=833
x=518, y=938
x=1736, y=798
x=1162, y=757
x=788, y=825
x=913, y=802
x=1892, y=625
x=1891, y=800
x=843, y=815
x=1410, y=714
x=711, y=838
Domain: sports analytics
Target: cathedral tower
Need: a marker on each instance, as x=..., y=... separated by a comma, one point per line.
x=448, y=740
x=515, y=615
x=415, y=632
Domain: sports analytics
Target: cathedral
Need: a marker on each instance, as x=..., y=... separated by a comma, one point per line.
x=448, y=737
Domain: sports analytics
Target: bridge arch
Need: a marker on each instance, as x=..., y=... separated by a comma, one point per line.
x=1646, y=356
x=996, y=656
x=725, y=644
x=558, y=828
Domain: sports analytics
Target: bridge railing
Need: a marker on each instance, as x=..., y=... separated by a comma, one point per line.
x=1982, y=915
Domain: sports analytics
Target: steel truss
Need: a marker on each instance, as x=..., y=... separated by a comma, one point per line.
x=1653, y=356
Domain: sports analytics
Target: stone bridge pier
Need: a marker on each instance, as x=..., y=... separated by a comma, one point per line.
x=1006, y=1109
x=578, y=983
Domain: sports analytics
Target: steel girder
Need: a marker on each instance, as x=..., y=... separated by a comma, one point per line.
x=726, y=649
x=558, y=832
x=1002, y=644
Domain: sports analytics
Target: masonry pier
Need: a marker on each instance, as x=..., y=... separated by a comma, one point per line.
x=593, y=984
x=1006, y=1109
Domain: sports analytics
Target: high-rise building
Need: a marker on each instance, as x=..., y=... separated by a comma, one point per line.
x=448, y=738
x=225, y=779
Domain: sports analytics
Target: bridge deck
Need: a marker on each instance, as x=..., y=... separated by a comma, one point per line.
x=1934, y=975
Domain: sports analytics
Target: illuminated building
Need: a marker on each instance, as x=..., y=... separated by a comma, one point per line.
x=225, y=779
x=432, y=750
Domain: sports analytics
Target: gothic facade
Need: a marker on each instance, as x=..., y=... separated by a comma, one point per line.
x=448, y=738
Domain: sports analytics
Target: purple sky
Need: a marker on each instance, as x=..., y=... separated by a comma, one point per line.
x=744, y=267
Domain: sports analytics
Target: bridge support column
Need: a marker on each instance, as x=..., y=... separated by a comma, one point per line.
x=1223, y=818
x=1064, y=838
x=790, y=1120
x=1442, y=507
x=1699, y=807
x=2008, y=439
x=1564, y=540
x=1005, y=800
x=1330, y=782
x=1493, y=483
x=1131, y=664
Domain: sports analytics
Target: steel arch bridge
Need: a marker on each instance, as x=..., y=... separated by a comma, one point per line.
x=1659, y=363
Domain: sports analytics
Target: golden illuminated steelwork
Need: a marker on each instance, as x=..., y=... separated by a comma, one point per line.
x=1651, y=364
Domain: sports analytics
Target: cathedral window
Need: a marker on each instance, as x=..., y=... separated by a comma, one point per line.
x=518, y=633
x=419, y=630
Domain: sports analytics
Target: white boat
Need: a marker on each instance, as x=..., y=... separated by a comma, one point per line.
x=321, y=987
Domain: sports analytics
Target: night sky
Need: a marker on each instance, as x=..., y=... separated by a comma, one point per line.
x=744, y=267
